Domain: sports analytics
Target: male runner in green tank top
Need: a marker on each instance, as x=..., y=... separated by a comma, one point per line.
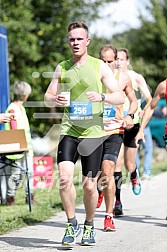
x=82, y=126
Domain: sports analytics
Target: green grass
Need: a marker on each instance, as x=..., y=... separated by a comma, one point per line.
x=47, y=203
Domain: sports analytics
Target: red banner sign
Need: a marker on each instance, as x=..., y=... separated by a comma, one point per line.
x=43, y=172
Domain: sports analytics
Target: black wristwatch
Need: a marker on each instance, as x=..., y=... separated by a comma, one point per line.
x=102, y=97
x=131, y=115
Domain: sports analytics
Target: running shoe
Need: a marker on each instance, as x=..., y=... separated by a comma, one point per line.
x=136, y=185
x=118, y=208
x=70, y=234
x=88, y=237
x=100, y=199
x=109, y=224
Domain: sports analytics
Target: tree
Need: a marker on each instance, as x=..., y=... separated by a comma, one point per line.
x=148, y=45
x=23, y=43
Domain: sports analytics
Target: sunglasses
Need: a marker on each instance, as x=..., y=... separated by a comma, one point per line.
x=108, y=61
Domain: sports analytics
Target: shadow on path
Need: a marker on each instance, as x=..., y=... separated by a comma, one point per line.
x=34, y=243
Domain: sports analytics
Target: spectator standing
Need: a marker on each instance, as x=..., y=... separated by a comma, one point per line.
x=21, y=92
x=148, y=154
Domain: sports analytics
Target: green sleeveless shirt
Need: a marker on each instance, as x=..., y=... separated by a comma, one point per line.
x=83, y=119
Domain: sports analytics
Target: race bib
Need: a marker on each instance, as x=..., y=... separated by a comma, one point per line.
x=109, y=112
x=81, y=110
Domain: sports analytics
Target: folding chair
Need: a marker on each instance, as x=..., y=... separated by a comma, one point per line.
x=14, y=142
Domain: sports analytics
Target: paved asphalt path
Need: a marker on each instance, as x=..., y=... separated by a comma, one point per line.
x=143, y=227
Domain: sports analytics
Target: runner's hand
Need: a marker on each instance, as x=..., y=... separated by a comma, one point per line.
x=93, y=96
x=139, y=137
x=128, y=122
x=61, y=100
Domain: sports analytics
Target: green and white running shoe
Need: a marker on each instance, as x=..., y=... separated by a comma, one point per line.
x=88, y=237
x=70, y=234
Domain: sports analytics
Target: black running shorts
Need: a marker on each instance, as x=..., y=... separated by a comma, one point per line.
x=89, y=149
x=129, y=136
x=111, y=147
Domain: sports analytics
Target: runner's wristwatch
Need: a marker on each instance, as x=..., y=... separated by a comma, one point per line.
x=102, y=97
x=131, y=115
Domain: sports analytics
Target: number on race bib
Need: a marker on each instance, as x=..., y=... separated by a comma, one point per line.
x=80, y=111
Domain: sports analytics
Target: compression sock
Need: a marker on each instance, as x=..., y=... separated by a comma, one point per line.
x=133, y=174
x=118, y=183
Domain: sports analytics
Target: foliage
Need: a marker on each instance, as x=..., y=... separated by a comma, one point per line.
x=148, y=44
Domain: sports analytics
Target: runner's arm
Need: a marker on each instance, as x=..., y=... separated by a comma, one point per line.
x=54, y=89
x=159, y=93
x=143, y=87
x=133, y=104
x=116, y=96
